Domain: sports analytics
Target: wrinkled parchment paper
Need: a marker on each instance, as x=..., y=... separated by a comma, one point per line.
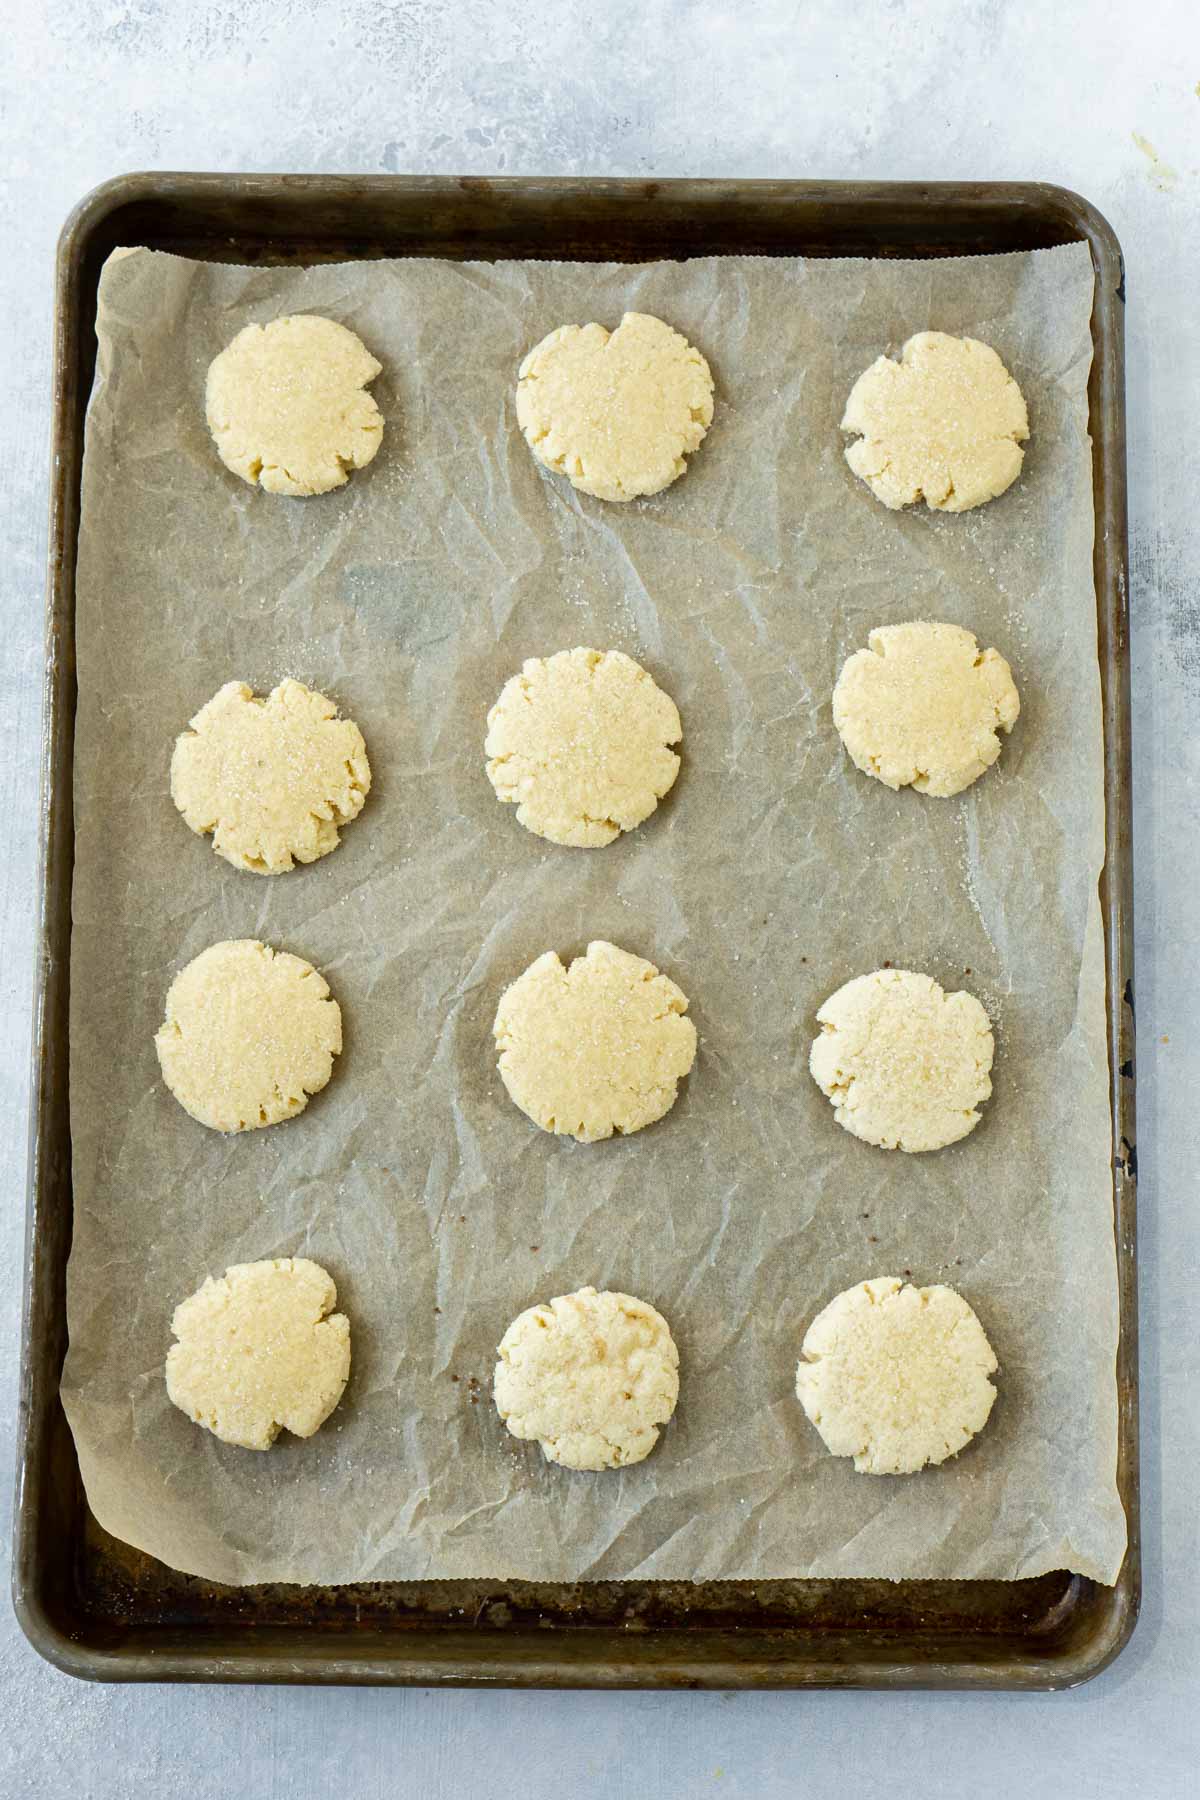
x=772, y=873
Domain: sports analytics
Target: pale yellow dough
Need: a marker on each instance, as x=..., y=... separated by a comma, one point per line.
x=271, y=779
x=905, y=1065
x=250, y=1033
x=260, y=1350
x=287, y=405
x=617, y=415
x=580, y=741
x=944, y=424
x=595, y=1048
x=924, y=706
x=591, y=1376
x=896, y=1376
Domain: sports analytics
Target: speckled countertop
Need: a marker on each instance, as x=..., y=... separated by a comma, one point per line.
x=1100, y=95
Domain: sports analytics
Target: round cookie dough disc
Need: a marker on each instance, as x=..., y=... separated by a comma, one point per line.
x=595, y=1048
x=249, y=1034
x=905, y=1065
x=287, y=406
x=617, y=415
x=924, y=706
x=591, y=1376
x=271, y=779
x=260, y=1350
x=896, y=1376
x=944, y=424
x=580, y=741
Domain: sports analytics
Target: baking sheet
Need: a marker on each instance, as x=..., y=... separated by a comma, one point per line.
x=772, y=873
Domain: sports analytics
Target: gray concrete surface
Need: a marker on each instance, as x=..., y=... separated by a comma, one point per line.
x=1102, y=95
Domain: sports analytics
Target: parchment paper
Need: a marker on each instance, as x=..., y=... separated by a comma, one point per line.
x=773, y=873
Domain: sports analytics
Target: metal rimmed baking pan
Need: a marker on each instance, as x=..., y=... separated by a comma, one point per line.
x=97, y=1608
